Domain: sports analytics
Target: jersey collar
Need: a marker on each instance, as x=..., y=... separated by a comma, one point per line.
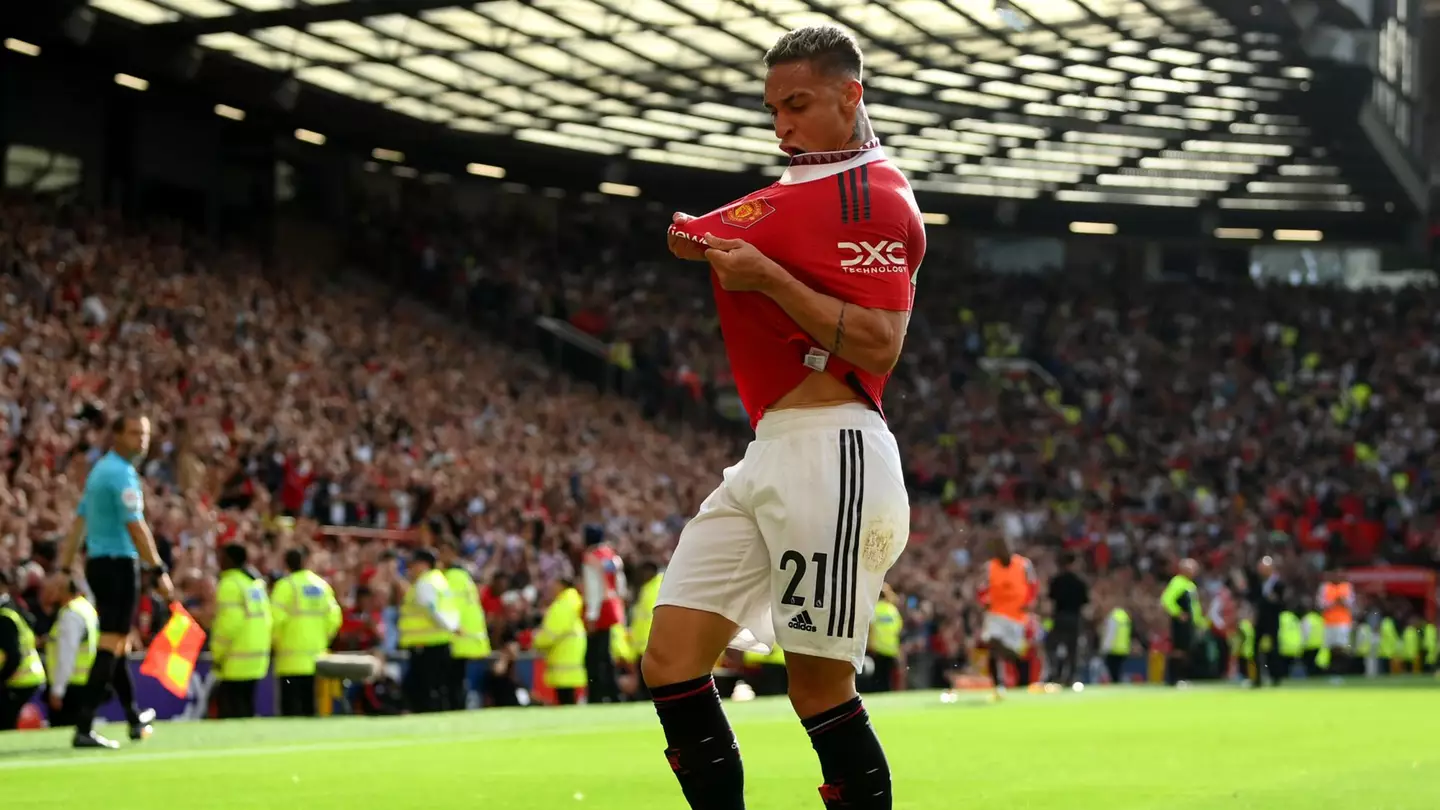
x=818, y=165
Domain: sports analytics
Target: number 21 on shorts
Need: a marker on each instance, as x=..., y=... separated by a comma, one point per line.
x=796, y=560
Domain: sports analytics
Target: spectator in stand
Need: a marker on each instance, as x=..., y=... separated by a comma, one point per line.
x=1130, y=422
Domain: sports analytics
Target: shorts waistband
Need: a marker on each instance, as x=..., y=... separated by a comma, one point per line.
x=851, y=415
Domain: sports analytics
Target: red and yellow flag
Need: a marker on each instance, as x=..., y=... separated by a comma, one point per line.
x=171, y=657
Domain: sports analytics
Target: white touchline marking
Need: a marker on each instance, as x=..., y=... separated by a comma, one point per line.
x=112, y=758
x=337, y=745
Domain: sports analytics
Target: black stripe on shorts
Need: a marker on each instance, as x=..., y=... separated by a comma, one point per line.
x=847, y=533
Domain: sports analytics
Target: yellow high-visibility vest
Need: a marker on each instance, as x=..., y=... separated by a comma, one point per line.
x=1246, y=647
x=240, y=639
x=1120, y=645
x=417, y=627
x=305, y=619
x=1314, y=631
x=644, y=614
x=89, y=646
x=1389, y=639
x=885, y=630
x=1290, y=638
x=562, y=640
x=622, y=649
x=1410, y=645
x=476, y=643
x=31, y=671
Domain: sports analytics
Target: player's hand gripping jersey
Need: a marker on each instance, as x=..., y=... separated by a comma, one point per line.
x=844, y=224
x=795, y=543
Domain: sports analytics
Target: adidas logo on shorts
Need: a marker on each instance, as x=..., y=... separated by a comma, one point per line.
x=802, y=622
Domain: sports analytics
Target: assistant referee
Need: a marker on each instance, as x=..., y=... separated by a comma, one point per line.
x=111, y=520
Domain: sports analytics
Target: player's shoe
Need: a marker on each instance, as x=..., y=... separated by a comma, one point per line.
x=997, y=695
x=142, y=730
x=92, y=740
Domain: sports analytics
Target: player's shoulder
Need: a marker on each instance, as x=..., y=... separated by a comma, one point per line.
x=873, y=192
x=107, y=471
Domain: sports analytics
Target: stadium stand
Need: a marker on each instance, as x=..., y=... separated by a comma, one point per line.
x=508, y=362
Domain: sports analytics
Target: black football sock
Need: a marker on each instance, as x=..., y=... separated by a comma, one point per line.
x=702, y=749
x=1022, y=673
x=995, y=674
x=96, y=687
x=125, y=691
x=857, y=777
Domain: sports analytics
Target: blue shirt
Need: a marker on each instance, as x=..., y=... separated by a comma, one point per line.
x=113, y=500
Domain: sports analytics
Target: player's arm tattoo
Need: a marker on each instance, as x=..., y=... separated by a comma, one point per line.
x=839, y=340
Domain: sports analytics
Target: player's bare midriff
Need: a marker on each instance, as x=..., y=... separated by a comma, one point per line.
x=819, y=390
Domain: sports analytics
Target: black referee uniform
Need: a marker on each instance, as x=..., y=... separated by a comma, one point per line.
x=113, y=502
x=1068, y=596
x=1267, y=594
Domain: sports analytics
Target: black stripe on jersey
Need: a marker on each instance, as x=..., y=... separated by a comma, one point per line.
x=854, y=195
x=857, y=474
x=844, y=204
x=865, y=188
x=840, y=511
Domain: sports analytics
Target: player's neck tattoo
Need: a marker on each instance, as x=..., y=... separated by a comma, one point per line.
x=863, y=130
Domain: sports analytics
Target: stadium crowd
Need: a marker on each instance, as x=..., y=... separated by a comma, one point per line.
x=1130, y=424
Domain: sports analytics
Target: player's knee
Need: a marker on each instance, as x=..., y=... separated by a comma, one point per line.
x=684, y=645
x=818, y=684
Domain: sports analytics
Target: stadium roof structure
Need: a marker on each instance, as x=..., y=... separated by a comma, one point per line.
x=1132, y=102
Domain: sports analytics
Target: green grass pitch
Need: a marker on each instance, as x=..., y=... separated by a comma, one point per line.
x=1320, y=748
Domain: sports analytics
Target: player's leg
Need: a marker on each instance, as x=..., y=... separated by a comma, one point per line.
x=1003, y=638
x=116, y=585
x=717, y=581
x=124, y=687
x=835, y=516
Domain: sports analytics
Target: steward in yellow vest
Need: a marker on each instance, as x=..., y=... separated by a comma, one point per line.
x=562, y=641
x=1430, y=647
x=306, y=618
x=240, y=639
x=1410, y=656
x=884, y=640
x=70, y=650
x=473, y=643
x=21, y=672
x=1243, y=646
x=429, y=621
x=1313, y=629
x=1290, y=638
x=1389, y=644
x=1115, y=643
x=644, y=613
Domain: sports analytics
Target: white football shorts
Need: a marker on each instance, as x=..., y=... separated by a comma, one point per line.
x=794, y=544
x=1007, y=631
x=1337, y=636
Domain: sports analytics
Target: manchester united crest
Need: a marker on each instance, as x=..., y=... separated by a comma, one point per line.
x=746, y=214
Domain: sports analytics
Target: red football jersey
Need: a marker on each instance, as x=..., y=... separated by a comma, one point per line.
x=844, y=224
